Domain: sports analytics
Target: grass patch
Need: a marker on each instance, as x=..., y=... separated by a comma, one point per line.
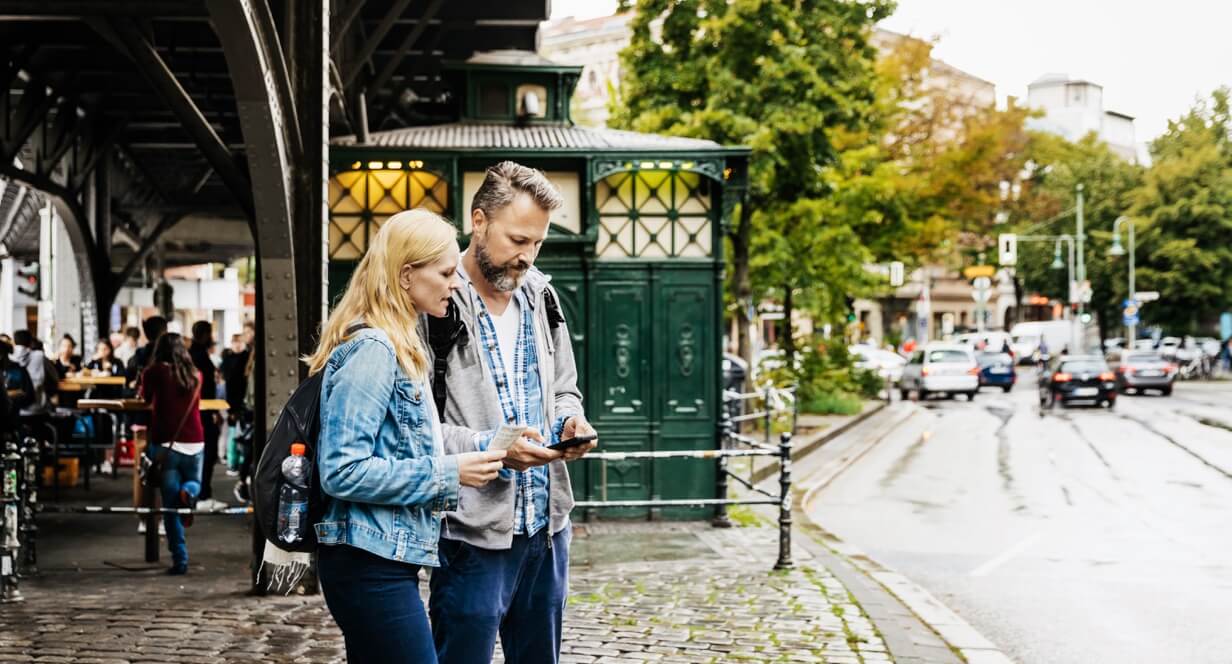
x=744, y=516
x=833, y=403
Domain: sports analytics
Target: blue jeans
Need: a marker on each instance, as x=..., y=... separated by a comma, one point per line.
x=376, y=603
x=180, y=471
x=518, y=594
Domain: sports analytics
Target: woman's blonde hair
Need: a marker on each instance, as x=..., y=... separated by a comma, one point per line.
x=415, y=237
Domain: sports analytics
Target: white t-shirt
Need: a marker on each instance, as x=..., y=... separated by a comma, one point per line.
x=507, y=325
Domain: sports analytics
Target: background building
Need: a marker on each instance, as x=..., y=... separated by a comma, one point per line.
x=595, y=44
x=1074, y=108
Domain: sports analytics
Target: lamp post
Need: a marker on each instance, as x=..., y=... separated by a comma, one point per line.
x=1071, y=286
x=1057, y=265
x=1117, y=250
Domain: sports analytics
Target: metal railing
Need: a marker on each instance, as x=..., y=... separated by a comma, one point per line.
x=732, y=444
x=19, y=506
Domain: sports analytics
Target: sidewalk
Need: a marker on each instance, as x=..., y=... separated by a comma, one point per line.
x=661, y=591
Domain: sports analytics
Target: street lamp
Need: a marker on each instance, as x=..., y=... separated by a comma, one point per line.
x=1117, y=250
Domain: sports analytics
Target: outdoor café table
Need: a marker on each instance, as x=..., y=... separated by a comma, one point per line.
x=82, y=383
x=144, y=496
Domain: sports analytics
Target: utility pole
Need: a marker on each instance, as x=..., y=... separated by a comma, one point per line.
x=1082, y=263
x=1082, y=269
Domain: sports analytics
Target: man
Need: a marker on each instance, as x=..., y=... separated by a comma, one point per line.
x=35, y=363
x=129, y=342
x=199, y=350
x=235, y=384
x=504, y=554
x=153, y=327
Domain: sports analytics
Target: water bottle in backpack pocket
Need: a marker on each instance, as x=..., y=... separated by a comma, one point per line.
x=293, y=496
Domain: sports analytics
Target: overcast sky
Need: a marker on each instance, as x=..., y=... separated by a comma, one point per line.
x=1153, y=57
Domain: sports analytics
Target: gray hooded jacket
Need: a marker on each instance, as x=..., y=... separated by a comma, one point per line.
x=484, y=517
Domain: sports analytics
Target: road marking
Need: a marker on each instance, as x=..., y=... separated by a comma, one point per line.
x=1006, y=555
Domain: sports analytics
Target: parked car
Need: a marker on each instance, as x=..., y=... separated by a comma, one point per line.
x=1142, y=370
x=941, y=369
x=735, y=371
x=1077, y=378
x=997, y=370
x=1113, y=343
x=887, y=364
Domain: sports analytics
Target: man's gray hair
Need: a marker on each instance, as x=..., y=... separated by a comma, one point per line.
x=506, y=180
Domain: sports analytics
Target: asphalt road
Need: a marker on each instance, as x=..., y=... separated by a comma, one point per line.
x=1082, y=536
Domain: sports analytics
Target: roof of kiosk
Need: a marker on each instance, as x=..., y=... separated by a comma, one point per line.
x=556, y=136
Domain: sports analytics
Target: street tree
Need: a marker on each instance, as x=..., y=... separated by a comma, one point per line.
x=1046, y=205
x=1184, y=212
x=782, y=77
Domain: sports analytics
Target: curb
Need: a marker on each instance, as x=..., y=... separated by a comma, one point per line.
x=809, y=444
x=958, y=634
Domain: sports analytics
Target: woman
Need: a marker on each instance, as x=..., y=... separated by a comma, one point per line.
x=172, y=387
x=105, y=364
x=381, y=456
x=67, y=359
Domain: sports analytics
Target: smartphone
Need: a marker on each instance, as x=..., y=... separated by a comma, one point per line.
x=573, y=442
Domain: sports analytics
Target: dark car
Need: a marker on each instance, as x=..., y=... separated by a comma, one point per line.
x=1142, y=370
x=1072, y=378
x=997, y=370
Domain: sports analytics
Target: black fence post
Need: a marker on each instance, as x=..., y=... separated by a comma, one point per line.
x=767, y=419
x=28, y=488
x=785, y=500
x=721, y=520
x=10, y=504
x=148, y=499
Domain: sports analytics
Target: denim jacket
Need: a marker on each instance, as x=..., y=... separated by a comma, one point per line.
x=380, y=456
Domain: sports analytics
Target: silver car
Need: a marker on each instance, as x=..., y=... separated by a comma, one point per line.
x=941, y=369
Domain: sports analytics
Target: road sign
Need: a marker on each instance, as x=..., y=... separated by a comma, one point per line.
x=1130, y=320
x=1007, y=248
x=1129, y=315
x=1147, y=296
x=978, y=271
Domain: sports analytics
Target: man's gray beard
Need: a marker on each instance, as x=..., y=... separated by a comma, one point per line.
x=496, y=275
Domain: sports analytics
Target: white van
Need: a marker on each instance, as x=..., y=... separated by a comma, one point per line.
x=1056, y=335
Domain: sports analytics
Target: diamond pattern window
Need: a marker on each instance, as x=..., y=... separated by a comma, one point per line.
x=654, y=214
x=361, y=199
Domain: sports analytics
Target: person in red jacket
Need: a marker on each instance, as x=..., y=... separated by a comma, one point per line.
x=172, y=386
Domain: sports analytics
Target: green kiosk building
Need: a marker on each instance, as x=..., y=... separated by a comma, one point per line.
x=636, y=253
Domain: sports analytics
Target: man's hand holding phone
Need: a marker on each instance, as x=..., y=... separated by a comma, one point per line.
x=577, y=428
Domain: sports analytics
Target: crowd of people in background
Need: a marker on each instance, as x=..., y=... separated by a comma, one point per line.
x=173, y=374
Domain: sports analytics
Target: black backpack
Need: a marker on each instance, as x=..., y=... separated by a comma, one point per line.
x=300, y=422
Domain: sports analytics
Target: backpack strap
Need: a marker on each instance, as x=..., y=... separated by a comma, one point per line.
x=443, y=335
x=552, y=307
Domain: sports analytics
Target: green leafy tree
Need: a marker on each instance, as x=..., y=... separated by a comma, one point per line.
x=1046, y=206
x=1184, y=214
x=782, y=77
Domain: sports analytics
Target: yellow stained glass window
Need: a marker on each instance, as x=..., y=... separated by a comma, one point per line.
x=360, y=200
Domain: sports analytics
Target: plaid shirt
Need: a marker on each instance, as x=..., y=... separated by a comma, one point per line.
x=521, y=400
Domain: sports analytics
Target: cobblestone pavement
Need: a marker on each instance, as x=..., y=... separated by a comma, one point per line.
x=666, y=592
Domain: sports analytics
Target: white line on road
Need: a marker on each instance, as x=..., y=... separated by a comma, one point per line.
x=1006, y=555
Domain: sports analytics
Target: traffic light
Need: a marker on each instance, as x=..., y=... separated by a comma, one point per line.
x=28, y=280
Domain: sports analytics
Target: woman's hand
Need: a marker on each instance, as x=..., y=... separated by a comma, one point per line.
x=478, y=468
